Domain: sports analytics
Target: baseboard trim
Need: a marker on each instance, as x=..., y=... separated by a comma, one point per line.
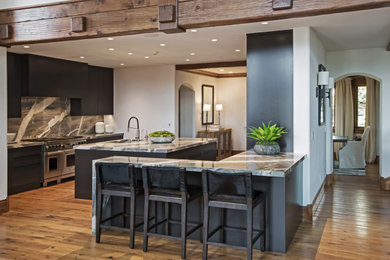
x=4, y=206
x=384, y=183
x=308, y=209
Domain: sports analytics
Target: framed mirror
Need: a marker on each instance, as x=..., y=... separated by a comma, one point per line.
x=207, y=105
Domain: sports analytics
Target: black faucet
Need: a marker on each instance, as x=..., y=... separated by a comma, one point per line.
x=128, y=127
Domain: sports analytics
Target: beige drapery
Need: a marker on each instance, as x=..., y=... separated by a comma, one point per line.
x=371, y=118
x=344, y=110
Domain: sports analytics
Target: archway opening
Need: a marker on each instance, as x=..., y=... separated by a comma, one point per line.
x=186, y=112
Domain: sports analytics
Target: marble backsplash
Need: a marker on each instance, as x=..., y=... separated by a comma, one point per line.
x=49, y=117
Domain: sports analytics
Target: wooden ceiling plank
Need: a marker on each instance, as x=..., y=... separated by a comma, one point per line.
x=71, y=9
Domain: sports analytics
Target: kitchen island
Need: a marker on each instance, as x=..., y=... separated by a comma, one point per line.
x=280, y=177
x=181, y=148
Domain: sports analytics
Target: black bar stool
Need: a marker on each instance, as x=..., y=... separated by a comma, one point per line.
x=231, y=191
x=116, y=179
x=169, y=185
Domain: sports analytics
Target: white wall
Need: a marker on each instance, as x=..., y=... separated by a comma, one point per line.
x=309, y=138
x=374, y=63
x=194, y=82
x=147, y=93
x=3, y=123
x=5, y=4
x=231, y=93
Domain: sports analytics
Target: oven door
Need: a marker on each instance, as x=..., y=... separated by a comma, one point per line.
x=69, y=162
x=53, y=164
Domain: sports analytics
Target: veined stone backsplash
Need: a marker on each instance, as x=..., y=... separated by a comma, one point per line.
x=49, y=117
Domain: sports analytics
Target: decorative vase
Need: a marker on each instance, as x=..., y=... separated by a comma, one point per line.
x=267, y=149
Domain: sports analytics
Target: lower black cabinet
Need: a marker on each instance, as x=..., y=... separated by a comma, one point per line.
x=25, y=169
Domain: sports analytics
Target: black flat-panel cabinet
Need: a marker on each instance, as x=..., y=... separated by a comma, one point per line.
x=99, y=100
x=25, y=169
x=50, y=77
x=270, y=82
x=14, y=84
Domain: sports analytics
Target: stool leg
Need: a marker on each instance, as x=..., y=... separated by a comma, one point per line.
x=155, y=217
x=249, y=230
x=262, y=247
x=183, y=227
x=124, y=211
x=205, y=232
x=146, y=222
x=99, y=201
x=167, y=218
x=132, y=219
x=223, y=212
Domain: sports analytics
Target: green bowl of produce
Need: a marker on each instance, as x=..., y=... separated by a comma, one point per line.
x=162, y=137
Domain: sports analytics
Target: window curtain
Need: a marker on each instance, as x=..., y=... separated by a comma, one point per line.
x=344, y=110
x=371, y=118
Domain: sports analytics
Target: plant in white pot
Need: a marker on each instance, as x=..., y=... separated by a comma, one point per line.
x=266, y=138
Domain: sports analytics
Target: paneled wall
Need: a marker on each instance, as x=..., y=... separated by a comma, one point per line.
x=270, y=82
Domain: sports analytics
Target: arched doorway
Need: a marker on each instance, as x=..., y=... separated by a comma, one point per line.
x=186, y=111
x=357, y=109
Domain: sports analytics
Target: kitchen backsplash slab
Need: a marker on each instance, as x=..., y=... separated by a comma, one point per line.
x=49, y=117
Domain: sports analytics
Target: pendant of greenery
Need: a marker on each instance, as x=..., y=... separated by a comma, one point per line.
x=268, y=134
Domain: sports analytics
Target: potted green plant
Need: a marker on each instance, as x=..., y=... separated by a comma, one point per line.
x=162, y=137
x=266, y=138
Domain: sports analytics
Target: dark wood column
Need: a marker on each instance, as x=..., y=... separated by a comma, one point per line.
x=270, y=82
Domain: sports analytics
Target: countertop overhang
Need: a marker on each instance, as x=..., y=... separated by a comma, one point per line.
x=260, y=165
x=147, y=146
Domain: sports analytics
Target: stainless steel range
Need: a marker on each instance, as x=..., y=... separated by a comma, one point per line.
x=59, y=157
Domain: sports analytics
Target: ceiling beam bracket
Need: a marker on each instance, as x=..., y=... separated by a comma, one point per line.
x=168, y=19
x=5, y=31
x=79, y=24
x=282, y=4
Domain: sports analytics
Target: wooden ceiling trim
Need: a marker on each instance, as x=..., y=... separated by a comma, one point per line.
x=206, y=13
x=216, y=75
x=78, y=8
x=125, y=22
x=211, y=65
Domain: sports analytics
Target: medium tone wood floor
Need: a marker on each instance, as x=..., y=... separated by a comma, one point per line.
x=352, y=218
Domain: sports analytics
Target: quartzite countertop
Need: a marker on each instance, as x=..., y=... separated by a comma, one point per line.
x=147, y=146
x=260, y=165
x=23, y=144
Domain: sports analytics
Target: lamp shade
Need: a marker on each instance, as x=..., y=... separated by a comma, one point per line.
x=219, y=107
x=206, y=107
x=323, y=78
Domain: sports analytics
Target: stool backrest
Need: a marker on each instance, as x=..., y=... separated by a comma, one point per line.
x=227, y=183
x=115, y=173
x=173, y=178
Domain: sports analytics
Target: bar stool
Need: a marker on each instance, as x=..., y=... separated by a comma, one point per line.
x=231, y=191
x=116, y=179
x=169, y=185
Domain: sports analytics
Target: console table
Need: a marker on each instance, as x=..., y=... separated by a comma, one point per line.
x=224, y=141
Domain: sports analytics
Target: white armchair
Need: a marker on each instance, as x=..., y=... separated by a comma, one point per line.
x=352, y=155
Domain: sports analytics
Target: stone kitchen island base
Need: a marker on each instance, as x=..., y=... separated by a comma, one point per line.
x=280, y=177
x=181, y=148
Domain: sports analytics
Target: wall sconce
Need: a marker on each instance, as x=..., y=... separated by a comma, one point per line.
x=322, y=78
x=219, y=108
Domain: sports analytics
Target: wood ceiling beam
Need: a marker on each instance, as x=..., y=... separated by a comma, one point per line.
x=206, y=13
x=123, y=17
x=211, y=65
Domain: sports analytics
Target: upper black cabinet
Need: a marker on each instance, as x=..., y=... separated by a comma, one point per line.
x=90, y=88
x=49, y=77
x=99, y=100
x=14, y=84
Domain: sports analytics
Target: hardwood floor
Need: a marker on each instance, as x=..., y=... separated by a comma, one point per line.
x=352, y=217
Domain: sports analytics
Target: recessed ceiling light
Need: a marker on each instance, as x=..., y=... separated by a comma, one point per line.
x=162, y=44
x=129, y=53
x=264, y=23
x=110, y=38
x=230, y=72
x=188, y=60
x=214, y=40
x=221, y=70
x=26, y=46
x=82, y=57
x=194, y=30
x=122, y=64
x=237, y=50
x=111, y=49
x=192, y=53
x=146, y=57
